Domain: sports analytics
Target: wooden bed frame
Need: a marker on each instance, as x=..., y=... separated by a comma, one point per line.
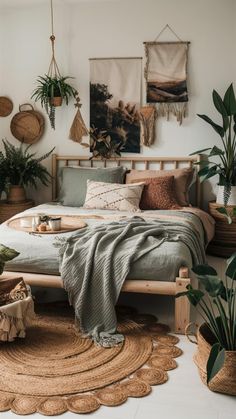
x=182, y=307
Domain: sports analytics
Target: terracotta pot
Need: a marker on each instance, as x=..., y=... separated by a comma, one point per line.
x=56, y=101
x=225, y=380
x=16, y=194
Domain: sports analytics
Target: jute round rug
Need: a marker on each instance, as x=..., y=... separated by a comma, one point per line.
x=55, y=370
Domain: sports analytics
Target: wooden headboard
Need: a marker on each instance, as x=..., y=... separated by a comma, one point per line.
x=140, y=163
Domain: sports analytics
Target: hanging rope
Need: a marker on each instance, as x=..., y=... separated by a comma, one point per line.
x=53, y=70
x=172, y=30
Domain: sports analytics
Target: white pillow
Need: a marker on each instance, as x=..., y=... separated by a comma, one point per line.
x=115, y=196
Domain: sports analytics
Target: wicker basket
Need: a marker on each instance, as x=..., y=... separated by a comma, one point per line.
x=225, y=380
x=28, y=125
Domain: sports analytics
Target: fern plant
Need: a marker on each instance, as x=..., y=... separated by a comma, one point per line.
x=50, y=87
x=20, y=167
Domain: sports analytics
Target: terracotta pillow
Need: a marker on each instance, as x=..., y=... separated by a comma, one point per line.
x=183, y=179
x=158, y=193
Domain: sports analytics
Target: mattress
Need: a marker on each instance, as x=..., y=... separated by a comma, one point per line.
x=38, y=254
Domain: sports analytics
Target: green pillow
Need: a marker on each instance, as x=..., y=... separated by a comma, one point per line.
x=74, y=182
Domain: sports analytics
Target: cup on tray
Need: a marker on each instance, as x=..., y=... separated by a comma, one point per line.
x=55, y=223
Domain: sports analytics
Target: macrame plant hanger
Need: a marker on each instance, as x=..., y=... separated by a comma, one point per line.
x=53, y=70
x=78, y=128
x=178, y=109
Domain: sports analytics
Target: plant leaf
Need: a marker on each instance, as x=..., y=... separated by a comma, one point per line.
x=212, y=284
x=231, y=267
x=230, y=101
x=216, y=151
x=204, y=270
x=215, y=361
x=200, y=151
x=219, y=104
x=194, y=296
x=216, y=127
x=223, y=211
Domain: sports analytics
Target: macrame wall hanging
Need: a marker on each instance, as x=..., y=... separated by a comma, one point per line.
x=166, y=76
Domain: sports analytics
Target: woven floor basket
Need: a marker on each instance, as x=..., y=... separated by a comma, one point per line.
x=225, y=380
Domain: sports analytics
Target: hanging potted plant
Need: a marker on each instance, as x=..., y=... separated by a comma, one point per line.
x=52, y=91
x=19, y=168
x=216, y=337
x=225, y=166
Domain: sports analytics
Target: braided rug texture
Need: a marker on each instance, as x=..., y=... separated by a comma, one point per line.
x=55, y=370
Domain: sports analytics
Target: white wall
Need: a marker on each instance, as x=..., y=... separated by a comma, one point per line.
x=116, y=28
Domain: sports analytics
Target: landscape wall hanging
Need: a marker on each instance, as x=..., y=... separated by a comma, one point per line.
x=115, y=97
x=166, y=76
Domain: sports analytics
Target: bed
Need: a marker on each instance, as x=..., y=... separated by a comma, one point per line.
x=38, y=261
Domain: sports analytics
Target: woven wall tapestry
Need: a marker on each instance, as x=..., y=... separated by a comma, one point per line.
x=166, y=76
x=115, y=97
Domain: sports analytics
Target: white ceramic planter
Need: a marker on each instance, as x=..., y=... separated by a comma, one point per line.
x=220, y=196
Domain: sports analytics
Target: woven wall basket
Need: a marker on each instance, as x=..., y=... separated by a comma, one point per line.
x=225, y=380
x=28, y=125
x=6, y=106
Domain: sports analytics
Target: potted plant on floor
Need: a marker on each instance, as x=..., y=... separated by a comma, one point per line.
x=216, y=337
x=20, y=168
x=225, y=166
x=52, y=91
x=6, y=254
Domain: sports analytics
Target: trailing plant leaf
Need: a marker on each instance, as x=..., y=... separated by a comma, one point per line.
x=215, y=361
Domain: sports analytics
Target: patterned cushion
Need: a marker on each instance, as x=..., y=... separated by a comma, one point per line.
x=101, y=195
x=158, y=193
x=183, y=178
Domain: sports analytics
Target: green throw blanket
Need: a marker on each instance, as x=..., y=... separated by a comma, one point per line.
x=96, y=261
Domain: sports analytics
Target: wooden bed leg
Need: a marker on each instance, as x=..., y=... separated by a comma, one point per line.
x=182, y=305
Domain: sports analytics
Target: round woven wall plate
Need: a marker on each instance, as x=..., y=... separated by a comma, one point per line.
x=55, y=369
x=6, y=106
x=27, y=126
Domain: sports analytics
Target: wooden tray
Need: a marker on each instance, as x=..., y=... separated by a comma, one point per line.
x=67, y=224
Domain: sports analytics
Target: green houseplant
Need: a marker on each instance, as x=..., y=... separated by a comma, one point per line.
x=52, y=92
x=20, y=168
x=6, y=254
x=216, y=303
x=225, y=165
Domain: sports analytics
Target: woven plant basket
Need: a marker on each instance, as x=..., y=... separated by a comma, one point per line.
x=225, y=380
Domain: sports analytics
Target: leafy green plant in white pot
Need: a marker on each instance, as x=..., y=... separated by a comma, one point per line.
x=225, y=165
